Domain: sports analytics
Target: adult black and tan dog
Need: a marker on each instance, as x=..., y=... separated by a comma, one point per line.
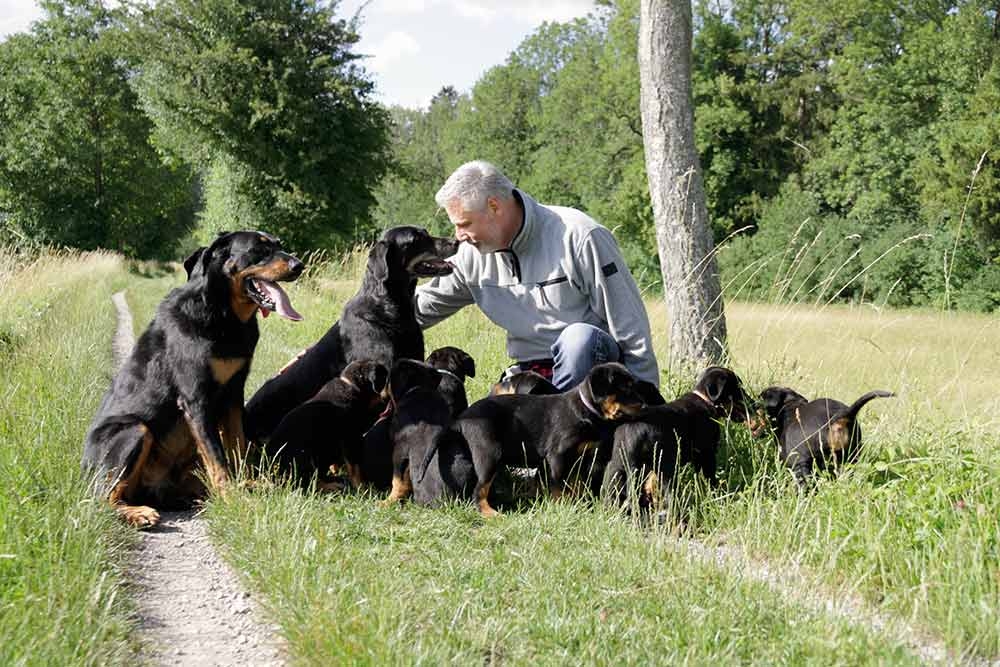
x=685, y=430
x=327, y=429
x=818, y=434
x=378, y=323
x=548, y=432
x=183, y=382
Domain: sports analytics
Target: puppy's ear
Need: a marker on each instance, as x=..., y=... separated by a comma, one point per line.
x=378, y=375
x=469, y=366
x=602, y=380
x=192, y=263
x=378, y=261
x=715, y=386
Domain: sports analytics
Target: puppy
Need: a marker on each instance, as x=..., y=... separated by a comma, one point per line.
x=160, y=420
x=525, y=382
x=685, y=430
x=823, y=433
x=378, y=323
x=420, y=418
x=454, y=365
x=551, y=432
x=327, y=429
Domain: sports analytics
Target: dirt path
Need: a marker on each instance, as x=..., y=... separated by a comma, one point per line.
x=193, y=610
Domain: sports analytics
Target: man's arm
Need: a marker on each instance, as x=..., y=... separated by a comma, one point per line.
x=440, y=298
x=615, y=297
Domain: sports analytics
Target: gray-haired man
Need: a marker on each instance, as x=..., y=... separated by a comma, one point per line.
x=551, y=276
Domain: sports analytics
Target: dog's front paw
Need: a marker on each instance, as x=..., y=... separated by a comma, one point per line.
x=139, y=516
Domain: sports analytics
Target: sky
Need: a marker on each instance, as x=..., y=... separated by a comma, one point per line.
x=414, y=47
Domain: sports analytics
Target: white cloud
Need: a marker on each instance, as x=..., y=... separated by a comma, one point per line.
x=475, y=9
x=398, y=6
x=391, y=49
x=17, y=15
x=525, y=11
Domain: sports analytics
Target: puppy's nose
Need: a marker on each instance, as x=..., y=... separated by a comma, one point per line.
x=295, y=266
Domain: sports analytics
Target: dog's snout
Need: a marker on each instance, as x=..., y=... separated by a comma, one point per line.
x=295, y=266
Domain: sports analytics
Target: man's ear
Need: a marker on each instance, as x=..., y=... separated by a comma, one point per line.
x=378, y=261
x=191, y=263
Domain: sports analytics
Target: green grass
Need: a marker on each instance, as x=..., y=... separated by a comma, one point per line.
x=61, y=595
x=352, y=583
x=914, y=527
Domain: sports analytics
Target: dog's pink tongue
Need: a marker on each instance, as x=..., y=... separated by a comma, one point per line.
x=282, y=305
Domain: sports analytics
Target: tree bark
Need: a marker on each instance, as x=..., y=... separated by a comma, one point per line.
x=683, y=236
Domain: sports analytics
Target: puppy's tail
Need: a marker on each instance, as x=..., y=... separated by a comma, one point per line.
x=417, y=474
x=852, y=411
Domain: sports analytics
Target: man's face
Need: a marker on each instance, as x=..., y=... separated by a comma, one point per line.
x=481, y=229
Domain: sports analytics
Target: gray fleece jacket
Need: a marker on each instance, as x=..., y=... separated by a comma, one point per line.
x=561, y=268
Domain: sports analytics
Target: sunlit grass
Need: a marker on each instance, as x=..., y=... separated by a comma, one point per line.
x=913, y=527
x=62, y=600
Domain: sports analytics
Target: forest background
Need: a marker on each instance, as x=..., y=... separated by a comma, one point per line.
x=851, y=150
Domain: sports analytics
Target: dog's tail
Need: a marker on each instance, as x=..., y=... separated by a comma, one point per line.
x=852, y=411
x=841, y=427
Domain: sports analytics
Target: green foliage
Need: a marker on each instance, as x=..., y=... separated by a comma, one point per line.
x=76, y=164
x=266, y=98
x=852, y=147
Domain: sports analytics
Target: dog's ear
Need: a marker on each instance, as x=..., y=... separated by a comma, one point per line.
x=469, y=366
x=377, y=376
x=607, y=379
x=212, y=252
x=716, y=382
x=378, y=261
x=192, y=263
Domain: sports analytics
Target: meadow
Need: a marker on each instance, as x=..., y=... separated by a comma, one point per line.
x=913, y=529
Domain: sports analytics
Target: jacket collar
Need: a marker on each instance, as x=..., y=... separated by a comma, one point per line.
x=529, y=227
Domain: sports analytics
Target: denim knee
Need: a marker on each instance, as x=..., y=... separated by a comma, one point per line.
x=579, y=348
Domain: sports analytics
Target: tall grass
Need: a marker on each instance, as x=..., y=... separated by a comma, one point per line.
x=913, y=527
x=61, y=554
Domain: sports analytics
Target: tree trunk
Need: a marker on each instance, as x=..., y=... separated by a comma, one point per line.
x=683, y=236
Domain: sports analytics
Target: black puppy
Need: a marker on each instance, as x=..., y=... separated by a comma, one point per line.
x=685, y=430
x=525, y=382
x=327, y=429
x=551, y=433
x=419, y=421
x=823, y=433
x=184, y=380
x=454, y=365
x=378, y=323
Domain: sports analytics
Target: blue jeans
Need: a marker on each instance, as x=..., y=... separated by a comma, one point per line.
x=579, y=348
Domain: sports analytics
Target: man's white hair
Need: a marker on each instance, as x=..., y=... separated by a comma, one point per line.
x=472, y=184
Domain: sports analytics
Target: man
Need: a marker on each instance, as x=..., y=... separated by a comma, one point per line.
x=551, y=276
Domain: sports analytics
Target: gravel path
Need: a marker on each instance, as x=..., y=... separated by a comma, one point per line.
x=193, y=609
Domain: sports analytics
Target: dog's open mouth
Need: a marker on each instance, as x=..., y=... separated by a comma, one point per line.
x=432, y=267
x=271, y=298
